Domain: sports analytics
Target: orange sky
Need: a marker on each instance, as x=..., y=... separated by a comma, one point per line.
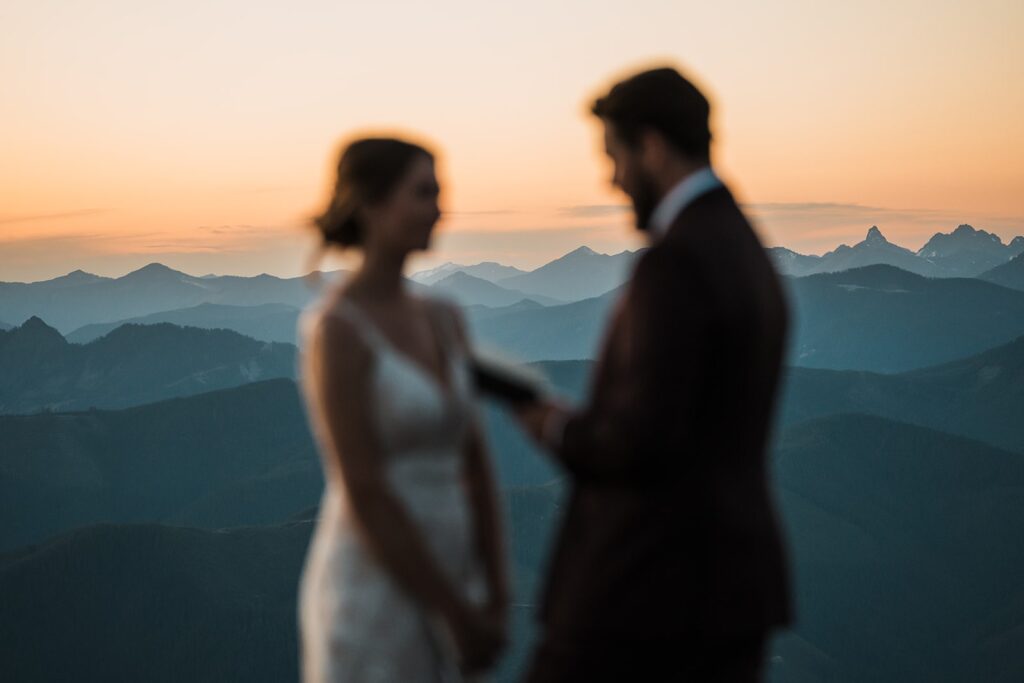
x=201, y=134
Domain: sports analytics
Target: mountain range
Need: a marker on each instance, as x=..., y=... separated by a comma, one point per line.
x=874, y=249
x=158, y=479
x=488, y=270
x=79, y=299
x=877, y=318
x=965, y=252
x=580, y=274
x=134, y=364
x=532, y=333
x=467, y=290
x=584, y=273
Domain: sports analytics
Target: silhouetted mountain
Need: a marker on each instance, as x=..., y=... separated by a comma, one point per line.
x=79, y=299
x=580, y=274
x=884, y=319
x=266, y=322
x=4, y=326
x=967, y=252
x=132, y=365
x=568, y=332
x=981, y=397
x=154, y=603
x=240, y=456
x=467, y=290
x=1010, y=274
x=905, y=546
x=489, y=270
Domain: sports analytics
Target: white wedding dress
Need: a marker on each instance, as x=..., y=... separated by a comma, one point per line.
x=356, y=624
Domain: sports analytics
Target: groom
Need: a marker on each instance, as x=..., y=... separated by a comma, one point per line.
x=670, y=564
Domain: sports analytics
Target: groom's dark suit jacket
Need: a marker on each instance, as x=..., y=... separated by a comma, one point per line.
x=671, y=529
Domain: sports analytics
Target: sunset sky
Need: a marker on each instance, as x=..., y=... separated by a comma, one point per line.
x=203, y=134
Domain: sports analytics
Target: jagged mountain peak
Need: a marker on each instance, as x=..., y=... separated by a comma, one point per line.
x=875, y=236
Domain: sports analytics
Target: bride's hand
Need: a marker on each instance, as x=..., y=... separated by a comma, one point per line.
x=480, y=636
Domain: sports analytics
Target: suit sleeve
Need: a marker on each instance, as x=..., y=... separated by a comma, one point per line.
x=636, y=426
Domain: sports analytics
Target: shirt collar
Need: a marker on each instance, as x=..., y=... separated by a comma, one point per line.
x=679, y=197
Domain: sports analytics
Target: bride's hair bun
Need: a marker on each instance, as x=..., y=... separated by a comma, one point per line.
x=369, y=169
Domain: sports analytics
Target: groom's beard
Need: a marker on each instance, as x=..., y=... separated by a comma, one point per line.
x=644, y=195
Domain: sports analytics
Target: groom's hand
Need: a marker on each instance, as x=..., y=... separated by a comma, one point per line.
x=544, y=421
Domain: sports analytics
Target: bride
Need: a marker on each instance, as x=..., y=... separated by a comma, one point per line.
x=405, y=576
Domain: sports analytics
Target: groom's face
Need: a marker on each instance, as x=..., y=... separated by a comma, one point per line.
x=631, y=176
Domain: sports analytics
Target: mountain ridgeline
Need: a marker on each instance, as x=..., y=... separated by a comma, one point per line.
x=79, y=298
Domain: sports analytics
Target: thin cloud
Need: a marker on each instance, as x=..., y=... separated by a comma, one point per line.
x=11, y=220
x=245, y=230
x=90, y=241
x=835, y=211
x=593, y=210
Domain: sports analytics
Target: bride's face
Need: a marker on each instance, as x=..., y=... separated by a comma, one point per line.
x=406, y=219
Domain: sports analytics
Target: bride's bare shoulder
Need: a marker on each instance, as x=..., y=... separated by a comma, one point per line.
x=328, y=325
x=450, y=315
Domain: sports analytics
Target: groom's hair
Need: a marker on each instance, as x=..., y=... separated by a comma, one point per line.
x=662, y=100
